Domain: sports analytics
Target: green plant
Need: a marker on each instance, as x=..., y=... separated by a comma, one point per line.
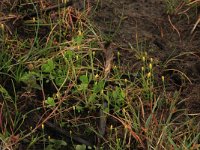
x=147, y=76
x=54, y=73
x=171, y=6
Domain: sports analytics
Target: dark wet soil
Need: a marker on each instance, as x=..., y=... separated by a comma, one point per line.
x=167, y=38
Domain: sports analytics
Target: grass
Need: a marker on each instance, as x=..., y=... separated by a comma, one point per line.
x=54, y=85
x=187, y=9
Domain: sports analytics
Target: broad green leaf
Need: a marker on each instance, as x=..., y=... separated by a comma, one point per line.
x=83, y=87
x=59, y=80
x=92, y=98
x=30, y=78
x=69, y=54
x=84, y=82
x=50, y=101
x=58, y=142
x=80, y=147
x=98, y=86
x=79, y=108
x=48, y=67
x=78, y=40
x=84, y=79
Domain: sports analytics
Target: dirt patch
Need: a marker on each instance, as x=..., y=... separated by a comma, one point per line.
x=166, y=38
x=148, y=20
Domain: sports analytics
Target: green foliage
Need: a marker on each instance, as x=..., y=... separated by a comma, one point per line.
x=68, y=84
x=4, y=93
x=117, y=98
x=98, y=86
x=171, y=5
x=84, y=83
x=50, y=102
x=80, y=147
x=78, y=39
x=48, y=67
x=5, y=61
x=55, y=144
x=30, y=79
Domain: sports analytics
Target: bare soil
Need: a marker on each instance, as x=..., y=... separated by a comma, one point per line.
x=161, y=35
